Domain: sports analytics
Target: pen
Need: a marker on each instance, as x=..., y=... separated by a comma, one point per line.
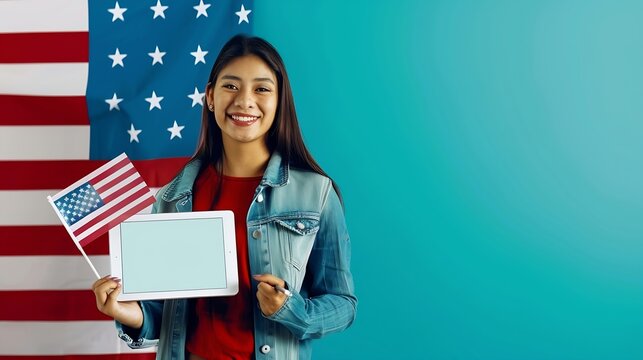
x=283, y=290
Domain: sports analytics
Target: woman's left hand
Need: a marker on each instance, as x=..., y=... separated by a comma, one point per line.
x=270, y=299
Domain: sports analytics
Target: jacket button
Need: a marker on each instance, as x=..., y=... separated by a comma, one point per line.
x=260, y=198
x=300, y=225
x=265, y=349
x=256, y=234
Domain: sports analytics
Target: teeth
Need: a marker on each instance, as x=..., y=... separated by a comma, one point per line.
x=244, y=118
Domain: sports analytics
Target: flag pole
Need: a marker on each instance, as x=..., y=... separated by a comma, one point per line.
x=62, y=220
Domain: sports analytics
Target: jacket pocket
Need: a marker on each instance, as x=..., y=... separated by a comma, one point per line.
x=296, y=238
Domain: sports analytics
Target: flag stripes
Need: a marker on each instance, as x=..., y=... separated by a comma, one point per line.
x=60, y=79
x=108, y=183
x=34, y=16
x=55, y=47
x=29, y=208
x=44, y=142
x=27, y=175
x=28, y=110
x=43, y=272
x=116, y=191
x=49, y=305
x=61, y=337
x=44, y=240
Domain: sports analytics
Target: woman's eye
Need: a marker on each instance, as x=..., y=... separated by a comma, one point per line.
x=263, y=89
x=229, y=86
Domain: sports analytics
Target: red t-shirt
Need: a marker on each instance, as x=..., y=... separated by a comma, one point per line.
x=225, y=330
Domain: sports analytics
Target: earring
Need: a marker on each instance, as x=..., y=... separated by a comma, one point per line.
x=210, y=107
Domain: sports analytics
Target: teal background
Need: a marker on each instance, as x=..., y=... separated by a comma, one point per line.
x=490, y=155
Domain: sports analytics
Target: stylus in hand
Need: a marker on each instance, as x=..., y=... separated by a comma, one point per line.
x=283, y=290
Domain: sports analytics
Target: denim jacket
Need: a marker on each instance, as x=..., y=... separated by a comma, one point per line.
x=296, y=231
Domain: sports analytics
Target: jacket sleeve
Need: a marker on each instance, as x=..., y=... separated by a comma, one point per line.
x=329, y=303
x=148, y=334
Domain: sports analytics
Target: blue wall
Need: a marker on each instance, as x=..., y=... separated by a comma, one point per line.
x=491, y=159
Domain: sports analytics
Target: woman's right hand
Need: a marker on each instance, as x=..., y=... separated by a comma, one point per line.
x=128, y=313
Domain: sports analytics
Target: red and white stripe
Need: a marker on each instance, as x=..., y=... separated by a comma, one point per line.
x=46, y=307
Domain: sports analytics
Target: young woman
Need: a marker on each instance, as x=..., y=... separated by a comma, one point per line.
x=292, y=242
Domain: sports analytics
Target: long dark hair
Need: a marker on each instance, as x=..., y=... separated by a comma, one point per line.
x=283, y=136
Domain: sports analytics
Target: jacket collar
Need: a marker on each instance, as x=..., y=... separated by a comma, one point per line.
x=182, y=184
x=277, y=171
x=276, y=175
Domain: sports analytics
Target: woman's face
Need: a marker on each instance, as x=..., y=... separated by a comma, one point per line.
x=244, y=99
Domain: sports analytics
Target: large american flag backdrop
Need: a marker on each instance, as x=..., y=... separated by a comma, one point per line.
x=80, y=83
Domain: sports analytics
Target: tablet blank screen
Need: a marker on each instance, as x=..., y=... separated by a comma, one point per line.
x=172, y=255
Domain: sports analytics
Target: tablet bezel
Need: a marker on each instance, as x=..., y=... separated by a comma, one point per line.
x=230, y=254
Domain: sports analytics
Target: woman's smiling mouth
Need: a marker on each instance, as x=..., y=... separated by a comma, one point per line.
x=243, y=119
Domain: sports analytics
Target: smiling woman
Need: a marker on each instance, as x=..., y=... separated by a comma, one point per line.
x=293, y=247
x=244, y=102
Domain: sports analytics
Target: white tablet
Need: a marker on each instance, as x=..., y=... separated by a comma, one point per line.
x=175, y=255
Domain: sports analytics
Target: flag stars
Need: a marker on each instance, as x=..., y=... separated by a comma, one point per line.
x=117, y=58
x=159, y=9
x=113, y=103
x=201, y=9
x=199, y=55
x=155, y=101
x=117, y=12
x=197, y=97
x=133, y=134
x=157, y=56
x=175, y=131
x=243, y=15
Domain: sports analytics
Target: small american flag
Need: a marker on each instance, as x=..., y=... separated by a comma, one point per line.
x=101, y=200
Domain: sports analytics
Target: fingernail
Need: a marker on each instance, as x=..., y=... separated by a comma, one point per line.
x=256, y=276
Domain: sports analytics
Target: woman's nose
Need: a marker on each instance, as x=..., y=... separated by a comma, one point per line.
x=244, y=100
